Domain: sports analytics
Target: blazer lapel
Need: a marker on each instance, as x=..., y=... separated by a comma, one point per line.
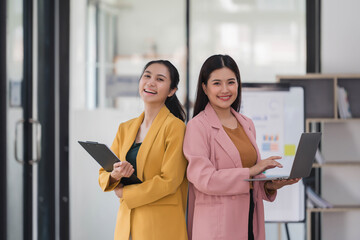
x=149, y=141
x=225, y=142
x=221, y=137
x=130, y=136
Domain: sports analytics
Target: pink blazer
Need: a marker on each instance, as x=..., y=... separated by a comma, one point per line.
x=219, y=197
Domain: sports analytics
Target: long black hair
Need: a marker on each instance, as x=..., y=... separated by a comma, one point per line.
x=172, y=103
x=211, y=64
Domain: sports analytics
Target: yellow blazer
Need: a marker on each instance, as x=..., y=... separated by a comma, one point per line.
x=154, y=209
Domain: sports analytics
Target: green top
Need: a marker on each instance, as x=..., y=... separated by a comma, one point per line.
x=132, y=154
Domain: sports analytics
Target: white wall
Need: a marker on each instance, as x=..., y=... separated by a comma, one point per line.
x=92, y=212
x=340, y=36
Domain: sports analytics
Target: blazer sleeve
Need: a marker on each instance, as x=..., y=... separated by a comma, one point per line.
x=104, y=176
x=264, y=195
x=202, y=173
x=261, y=184
x=172, y=172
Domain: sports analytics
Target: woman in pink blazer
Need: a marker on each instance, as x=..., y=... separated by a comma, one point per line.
x=221, y=149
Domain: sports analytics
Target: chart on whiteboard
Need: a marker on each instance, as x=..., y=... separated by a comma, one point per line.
x=266, y=109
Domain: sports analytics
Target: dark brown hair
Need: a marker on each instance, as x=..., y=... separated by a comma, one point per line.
x=172, y=103
x=211, y=64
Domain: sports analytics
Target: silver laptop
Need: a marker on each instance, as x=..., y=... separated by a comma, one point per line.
x=304, y=158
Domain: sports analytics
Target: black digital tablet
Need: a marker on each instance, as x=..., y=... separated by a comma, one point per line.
x=106, y=158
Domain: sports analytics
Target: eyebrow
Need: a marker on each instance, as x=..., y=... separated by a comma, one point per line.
x=218, y=80
x=147, y=71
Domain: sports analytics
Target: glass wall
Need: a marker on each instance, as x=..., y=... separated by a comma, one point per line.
x=14, y=70
x=122, y=37
x=265, y=37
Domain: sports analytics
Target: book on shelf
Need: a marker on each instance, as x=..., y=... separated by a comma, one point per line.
x=343, y=103
x=316, y=200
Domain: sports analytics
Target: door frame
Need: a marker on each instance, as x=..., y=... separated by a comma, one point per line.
x=64, y=97
x=3, y=118
x=27, y=104
x=53, y=79
x=58, y=79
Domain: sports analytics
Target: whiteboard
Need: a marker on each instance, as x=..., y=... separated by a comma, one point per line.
x=277, y=111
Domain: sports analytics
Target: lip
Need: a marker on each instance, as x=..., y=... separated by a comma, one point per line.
x=224, y=98
x=149, y=91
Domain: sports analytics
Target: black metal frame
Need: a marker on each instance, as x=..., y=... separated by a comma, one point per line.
x=3, y=117
x=64, y=76
x=313, y=65
x=27, y=104
x=313, y=36
x=53, y=58
x=46, y=115
x=53, y=65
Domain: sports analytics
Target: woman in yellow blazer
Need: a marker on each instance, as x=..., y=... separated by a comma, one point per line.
x=151, y=146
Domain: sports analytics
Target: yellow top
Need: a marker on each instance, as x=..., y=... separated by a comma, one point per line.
x=154, y=209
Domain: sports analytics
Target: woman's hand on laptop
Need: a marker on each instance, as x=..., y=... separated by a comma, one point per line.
x=277, y=184
x=265, y=164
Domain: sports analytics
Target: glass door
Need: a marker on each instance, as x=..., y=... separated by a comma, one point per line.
x=34, y=74
x=23, y=130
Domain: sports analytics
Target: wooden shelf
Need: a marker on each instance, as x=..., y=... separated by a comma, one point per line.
x=337, y=164
x=316, y=76
x=325, y=120
x=328, y=120
x=335, y=209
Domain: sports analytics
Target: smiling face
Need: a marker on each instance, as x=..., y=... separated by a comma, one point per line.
x=154, y=85
x=221, y=88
